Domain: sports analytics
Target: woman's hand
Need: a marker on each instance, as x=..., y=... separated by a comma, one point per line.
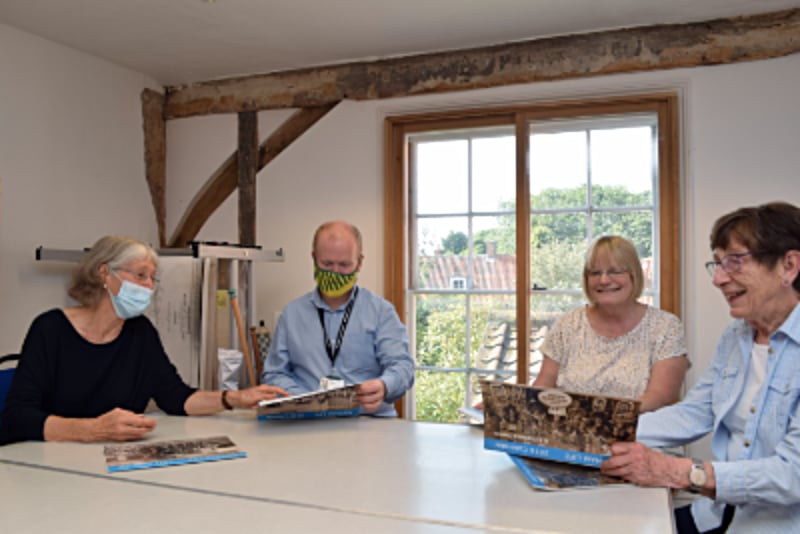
x=120, y=425
x=249, y=398
x=641, y=465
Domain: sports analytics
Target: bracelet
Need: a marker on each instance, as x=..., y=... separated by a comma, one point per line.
x=225, y=403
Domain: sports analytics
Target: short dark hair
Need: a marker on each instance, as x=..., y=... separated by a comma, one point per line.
x=771, y=229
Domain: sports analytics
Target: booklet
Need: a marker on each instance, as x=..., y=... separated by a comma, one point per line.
x=552, y=476
x=473, y=415
x=130, y=456
x=333, y=402
x=552, y=424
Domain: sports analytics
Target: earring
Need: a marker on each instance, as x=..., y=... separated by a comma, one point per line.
x=786, y=282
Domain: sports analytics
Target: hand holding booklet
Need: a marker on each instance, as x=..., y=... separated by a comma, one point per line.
x=339, y=401
x=556, y=427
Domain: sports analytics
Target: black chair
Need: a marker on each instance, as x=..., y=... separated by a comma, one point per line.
x=5, y=377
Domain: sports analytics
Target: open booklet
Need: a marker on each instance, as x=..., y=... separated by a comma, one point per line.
x=555, y=425
x=333, y=402
x=130, y=456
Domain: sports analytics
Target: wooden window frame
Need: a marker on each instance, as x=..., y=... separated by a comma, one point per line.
x=397, y=208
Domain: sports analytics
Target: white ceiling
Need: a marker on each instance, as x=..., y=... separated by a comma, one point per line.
x=183, y=41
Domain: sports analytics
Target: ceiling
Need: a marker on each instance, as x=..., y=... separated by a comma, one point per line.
x=182, y=41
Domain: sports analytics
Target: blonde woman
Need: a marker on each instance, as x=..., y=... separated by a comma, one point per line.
x=616, y=345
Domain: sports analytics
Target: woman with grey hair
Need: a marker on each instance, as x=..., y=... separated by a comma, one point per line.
x=748, y=399
x=86, y=373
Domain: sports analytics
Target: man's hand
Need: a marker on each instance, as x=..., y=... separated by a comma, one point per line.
x=120, y=425
x=371, y=394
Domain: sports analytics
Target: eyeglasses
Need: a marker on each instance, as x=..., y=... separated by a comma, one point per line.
x=730, y=263
x=140, y=276
x=611, y=273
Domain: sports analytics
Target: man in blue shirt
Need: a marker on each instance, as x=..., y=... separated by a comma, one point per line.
x=340, y=330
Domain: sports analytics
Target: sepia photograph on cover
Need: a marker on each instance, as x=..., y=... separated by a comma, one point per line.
x=128, y=456
x=554, y=424
x=335, y=402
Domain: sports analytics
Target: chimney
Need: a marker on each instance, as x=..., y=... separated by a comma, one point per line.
x=491, y=249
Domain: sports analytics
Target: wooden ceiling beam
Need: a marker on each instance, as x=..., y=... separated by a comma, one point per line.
x=226, y=178
x=155, y=156
x=573, y=56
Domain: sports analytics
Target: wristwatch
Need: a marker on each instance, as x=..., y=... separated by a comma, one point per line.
x=697, y=476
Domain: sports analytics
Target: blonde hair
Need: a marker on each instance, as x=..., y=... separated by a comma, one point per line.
x=87, y=285
x=622, y=254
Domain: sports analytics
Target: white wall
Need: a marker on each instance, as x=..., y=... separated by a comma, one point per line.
x=71, y=168
x=740, y=130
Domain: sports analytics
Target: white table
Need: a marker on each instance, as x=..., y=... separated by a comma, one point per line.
x=348, y=471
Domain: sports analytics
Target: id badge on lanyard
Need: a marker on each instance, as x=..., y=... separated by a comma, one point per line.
x=331, y=382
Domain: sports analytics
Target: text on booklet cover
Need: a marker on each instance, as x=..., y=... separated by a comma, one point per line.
x=555, y=425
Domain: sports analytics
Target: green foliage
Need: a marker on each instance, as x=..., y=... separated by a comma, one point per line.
x=441, y=342
x=455, y=242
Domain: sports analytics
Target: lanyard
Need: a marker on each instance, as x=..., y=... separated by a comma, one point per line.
x=333, y=352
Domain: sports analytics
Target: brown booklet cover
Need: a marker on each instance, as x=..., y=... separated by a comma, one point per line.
x=552, y=425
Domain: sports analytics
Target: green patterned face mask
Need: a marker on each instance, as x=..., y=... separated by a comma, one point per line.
x=333, y=284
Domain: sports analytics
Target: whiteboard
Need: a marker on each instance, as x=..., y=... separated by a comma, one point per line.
x=176, y=312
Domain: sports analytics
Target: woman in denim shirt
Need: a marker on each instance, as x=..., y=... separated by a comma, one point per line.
x=748, y=397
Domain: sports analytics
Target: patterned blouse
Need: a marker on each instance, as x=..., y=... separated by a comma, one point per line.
x=619, y=366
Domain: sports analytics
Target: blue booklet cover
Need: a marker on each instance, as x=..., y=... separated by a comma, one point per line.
x=552, y=424
x=146, y=455
x=334, y=402
x=551, y=476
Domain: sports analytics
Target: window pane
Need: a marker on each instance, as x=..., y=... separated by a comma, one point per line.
x=495, y=259
x=442, y=252
x=439, y=395
x=493, y=340
x=558, y=227
x=557, y=265
x=493, y=174
x=558, y=170
x=441, y=169
x=441, y=330
x=622, y=166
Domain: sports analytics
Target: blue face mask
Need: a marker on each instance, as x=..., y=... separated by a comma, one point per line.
x=132, y=299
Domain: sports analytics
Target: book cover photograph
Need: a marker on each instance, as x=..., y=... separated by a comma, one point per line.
x=552, y=476
x=334, y=402
x=552, y=424
x=130, y=456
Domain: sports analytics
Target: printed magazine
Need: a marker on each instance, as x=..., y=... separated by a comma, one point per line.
x=130, y=456
x=335, y=402
x=552, y=424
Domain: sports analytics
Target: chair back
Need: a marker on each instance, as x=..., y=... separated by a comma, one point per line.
x=6, y=375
